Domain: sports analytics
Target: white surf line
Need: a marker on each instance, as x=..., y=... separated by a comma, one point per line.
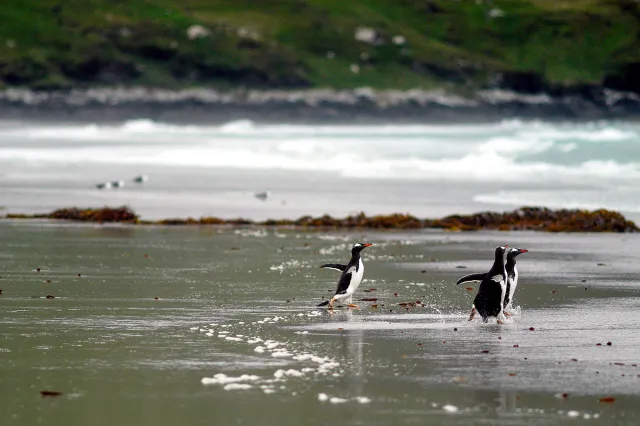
x=319, y=365
x=323, y=397
x=452, y=409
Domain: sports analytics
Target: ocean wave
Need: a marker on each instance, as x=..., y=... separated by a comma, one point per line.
x=485, y=165
x=513, y=151
x=517, y=129
x=249, y=127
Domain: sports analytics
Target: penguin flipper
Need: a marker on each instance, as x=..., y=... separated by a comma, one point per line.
x=325, y=303
x=335, y=266
x=471, y=277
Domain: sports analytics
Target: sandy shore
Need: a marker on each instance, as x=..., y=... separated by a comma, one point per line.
x=212, y=321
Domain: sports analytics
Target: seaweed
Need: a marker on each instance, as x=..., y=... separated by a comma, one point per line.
x=522, y=219
x=105, y=214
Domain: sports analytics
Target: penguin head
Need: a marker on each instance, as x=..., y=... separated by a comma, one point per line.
x=516, y=251
x=358, y=247
x=500, y=251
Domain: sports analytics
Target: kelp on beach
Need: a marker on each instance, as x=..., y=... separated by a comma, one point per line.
x=525, y=218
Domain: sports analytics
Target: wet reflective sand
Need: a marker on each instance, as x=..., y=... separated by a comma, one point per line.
x=235, y=337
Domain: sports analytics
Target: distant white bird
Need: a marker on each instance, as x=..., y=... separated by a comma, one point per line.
x=141, y=179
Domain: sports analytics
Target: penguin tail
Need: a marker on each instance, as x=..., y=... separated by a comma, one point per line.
x=325, y=303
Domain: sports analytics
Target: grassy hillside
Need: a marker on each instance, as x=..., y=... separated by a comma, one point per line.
x=527, y=45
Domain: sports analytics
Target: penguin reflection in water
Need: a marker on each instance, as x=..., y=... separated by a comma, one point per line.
x=489, y=301
x=350, y=278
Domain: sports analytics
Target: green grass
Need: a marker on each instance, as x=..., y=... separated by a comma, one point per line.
x=454, y=44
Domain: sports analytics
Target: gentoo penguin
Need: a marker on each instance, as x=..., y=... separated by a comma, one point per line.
x=350, y=278
x=141, y=179
x=512, y=276
x=489, y=301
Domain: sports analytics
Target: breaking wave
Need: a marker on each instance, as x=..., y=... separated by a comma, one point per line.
x=510, y=150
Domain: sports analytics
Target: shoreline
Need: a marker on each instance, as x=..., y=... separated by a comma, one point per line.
x=522, y=219
x=313, y=105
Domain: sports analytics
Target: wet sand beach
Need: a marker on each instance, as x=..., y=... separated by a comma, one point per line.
x=234, y=336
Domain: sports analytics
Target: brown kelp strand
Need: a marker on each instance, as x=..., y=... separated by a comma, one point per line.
x=105, y=214
x=539, y=219
x=525, y=218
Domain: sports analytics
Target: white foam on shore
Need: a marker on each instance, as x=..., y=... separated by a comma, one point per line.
x=277, y=349
x=237, y=386
x=291, y=372
x=222, y=379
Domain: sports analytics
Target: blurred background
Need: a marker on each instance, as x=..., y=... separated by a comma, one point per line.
x=280, y=108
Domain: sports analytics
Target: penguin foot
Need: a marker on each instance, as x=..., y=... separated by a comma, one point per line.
x=506, y=314
x=473, y=314
x=331, y=303
x=500, y=322
x=353, y=305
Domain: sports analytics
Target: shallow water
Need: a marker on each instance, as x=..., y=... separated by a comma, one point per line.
x=121, y=357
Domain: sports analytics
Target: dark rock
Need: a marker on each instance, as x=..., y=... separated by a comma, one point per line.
x=625, y=78
x=523, y=82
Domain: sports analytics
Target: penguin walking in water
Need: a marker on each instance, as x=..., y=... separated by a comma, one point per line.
x=489, y=302
x=350, y=278
x=512, y=277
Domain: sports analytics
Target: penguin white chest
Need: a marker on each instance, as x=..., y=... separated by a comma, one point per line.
x=513, y=282
x=500, y=280
x=356, y=278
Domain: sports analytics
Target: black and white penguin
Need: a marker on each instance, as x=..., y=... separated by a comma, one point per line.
x=489, y=301
x=512, y=277
x=350, y=278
